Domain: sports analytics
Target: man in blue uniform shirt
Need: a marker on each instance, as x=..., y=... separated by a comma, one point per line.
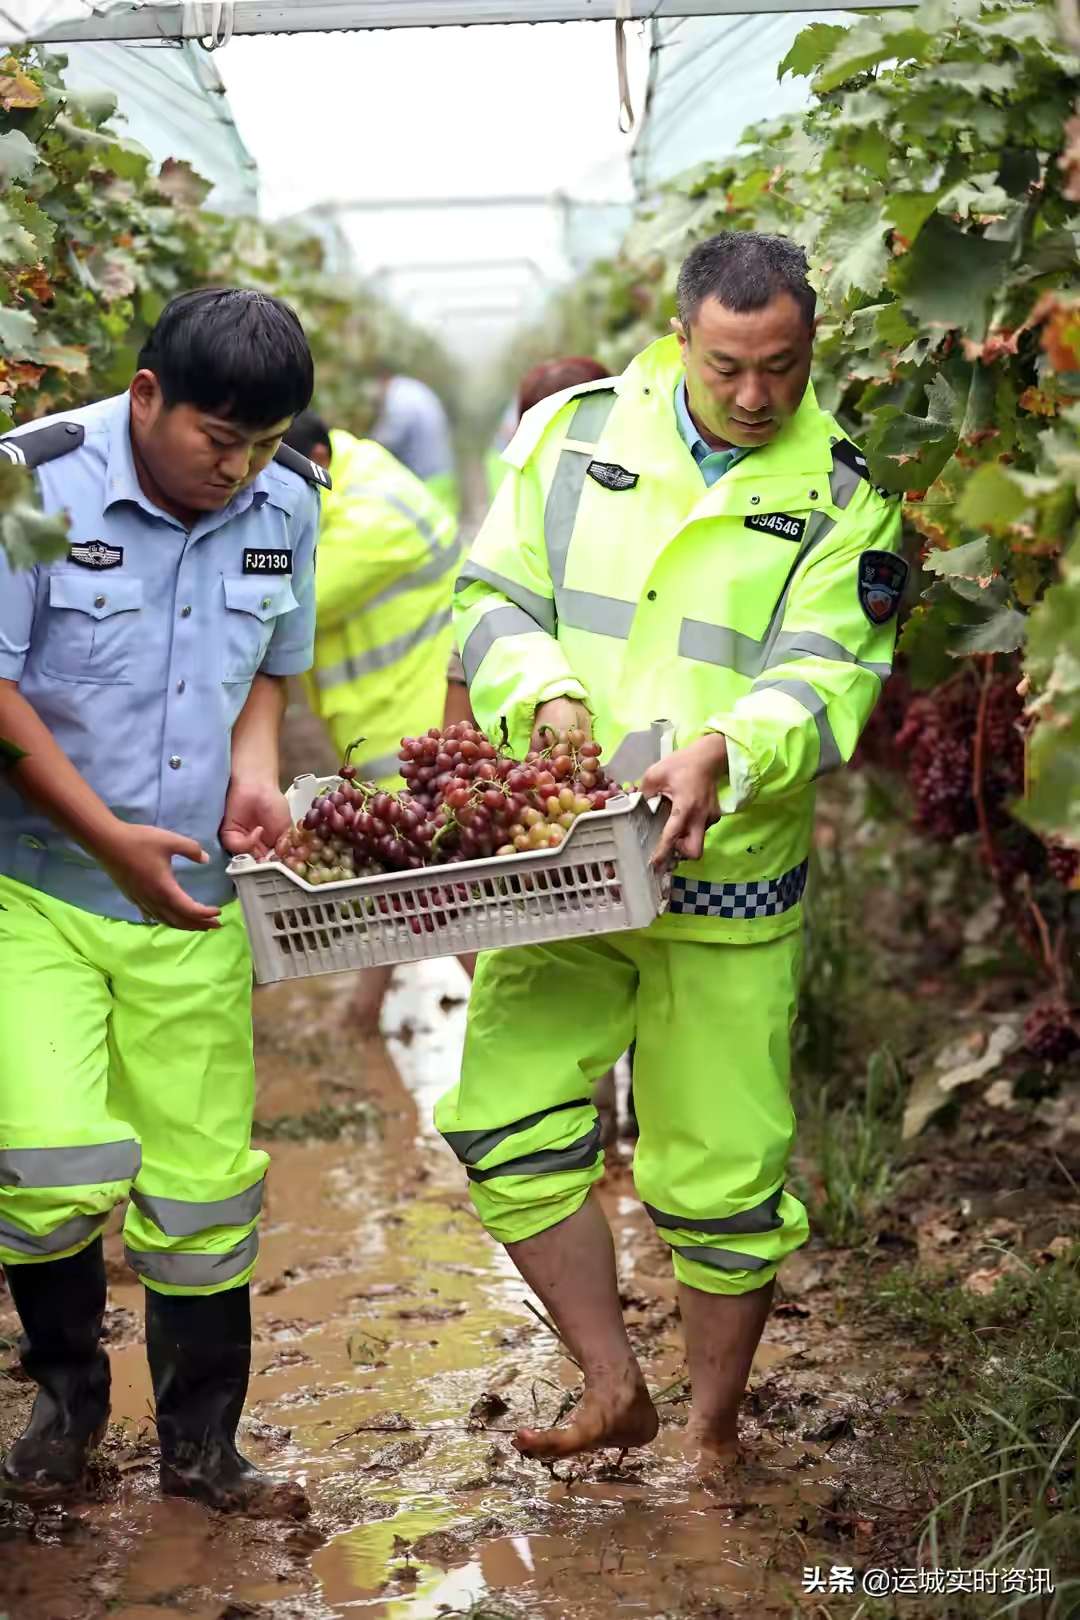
x=142, y=676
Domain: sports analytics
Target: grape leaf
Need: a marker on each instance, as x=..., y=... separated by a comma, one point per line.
x=854, y=246
x=18, y=157
x=991, y=498
x=971, y=561
x=950, y=276
x=810, y=48
x=1002, y=632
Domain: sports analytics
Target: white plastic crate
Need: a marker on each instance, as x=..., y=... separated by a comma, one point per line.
x=598, y=881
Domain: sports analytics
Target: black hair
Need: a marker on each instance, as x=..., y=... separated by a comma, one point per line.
x=307, y=431
x=744, y=270
x=238, y=353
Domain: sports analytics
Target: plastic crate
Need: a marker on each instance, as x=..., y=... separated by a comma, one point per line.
x=598, y=881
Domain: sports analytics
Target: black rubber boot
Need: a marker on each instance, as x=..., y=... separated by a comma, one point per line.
x=199, y=1347
x=61, y=1304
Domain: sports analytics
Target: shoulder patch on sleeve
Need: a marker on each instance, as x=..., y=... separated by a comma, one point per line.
x=39, y=445
x=294, y=462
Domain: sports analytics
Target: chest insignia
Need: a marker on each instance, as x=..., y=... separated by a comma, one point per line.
x=882, y=577
x=96, y=554
x=781, y=524
x=267, y=562
x=610, y=475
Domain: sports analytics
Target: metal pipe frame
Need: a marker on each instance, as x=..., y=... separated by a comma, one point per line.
x=168, y=21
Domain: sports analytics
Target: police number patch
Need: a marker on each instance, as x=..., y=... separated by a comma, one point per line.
x=267, y=562
x=882, y=577
x=96, y=554
x=610, y=475
x=781, y=524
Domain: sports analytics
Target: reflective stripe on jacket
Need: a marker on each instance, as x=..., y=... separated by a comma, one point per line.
x=607, y=572
x=386, y=559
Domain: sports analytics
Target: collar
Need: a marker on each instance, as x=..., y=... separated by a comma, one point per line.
x=122, y=479
x=698, y=447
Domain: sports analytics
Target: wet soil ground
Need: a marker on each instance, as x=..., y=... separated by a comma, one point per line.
x=395, y=1355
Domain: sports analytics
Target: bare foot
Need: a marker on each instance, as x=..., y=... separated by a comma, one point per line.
x=620, y=1414
x=713, y=1451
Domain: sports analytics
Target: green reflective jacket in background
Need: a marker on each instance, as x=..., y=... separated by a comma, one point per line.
x=387, y=551
x=763, y=608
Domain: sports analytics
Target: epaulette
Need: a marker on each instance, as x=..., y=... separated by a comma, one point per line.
x=309, y=470
x=848, y=469
x=38, y=445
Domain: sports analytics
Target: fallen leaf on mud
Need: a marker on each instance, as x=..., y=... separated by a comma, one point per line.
x=999, y=1094
x=446, y=1546
x=986, y=1279
x=954, y=1066
x=271, y=1434
x=389, y=1422
x=1057, y=1249
x=289, y=1356
x=398, y=1455
x=367, y=1350
x=788, y=1307
x=490, y=1405
x=799, y=1276
x=430, y=1313
x=1000, y=1230
x=935, y=1236
x=840, y=1427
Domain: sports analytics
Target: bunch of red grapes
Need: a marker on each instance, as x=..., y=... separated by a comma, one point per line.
x=464, y=800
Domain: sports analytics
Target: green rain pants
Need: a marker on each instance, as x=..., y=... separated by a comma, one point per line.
x=126, y=1071
x=711, y=1089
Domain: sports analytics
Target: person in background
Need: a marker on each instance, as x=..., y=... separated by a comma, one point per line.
x=142, y=676
x=413, y=426
x=539, y=382
x=387, y=553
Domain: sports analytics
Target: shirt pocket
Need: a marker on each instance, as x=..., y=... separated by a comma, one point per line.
x=93, y=629
x=253, y=606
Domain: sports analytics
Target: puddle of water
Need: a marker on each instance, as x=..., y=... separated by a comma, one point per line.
x=382, y=1313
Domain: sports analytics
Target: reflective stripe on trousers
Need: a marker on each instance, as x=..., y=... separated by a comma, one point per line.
x=83, y=1166
x=472, y=1146
x=177, y=1268
x=177, y=1217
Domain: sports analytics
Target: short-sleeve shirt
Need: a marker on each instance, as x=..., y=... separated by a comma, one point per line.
x=139, y=647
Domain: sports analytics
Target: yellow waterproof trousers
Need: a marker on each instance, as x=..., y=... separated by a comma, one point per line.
x=711, y=1090
x=126, y=1070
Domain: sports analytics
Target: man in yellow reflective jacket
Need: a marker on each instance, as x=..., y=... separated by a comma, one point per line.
x=696, y=541
x=383, y=633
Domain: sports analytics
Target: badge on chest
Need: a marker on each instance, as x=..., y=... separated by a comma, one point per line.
x=267, y=562
x=96, y=554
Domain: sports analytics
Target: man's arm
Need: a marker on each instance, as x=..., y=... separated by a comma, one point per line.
x=256, y=810
x=137, y=858
x=504, y=617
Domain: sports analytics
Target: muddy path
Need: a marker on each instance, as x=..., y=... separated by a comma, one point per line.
x=394, y=1357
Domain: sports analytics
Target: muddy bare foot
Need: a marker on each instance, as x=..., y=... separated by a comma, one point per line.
x=621, y=1415
x=713, y=1453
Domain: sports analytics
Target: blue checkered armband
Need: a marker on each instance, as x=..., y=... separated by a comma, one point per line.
x=765, y=897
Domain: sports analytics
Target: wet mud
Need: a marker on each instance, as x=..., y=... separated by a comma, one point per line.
x=395, y=1355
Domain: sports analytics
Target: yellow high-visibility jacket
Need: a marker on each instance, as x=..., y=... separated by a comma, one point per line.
x=763, y=608
x=384, y=580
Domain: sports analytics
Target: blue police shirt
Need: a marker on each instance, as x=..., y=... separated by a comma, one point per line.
x=713, y=463
x=138, y=650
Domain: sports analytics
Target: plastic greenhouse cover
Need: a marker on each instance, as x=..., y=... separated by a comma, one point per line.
x=710, y=78
x=172, y=101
